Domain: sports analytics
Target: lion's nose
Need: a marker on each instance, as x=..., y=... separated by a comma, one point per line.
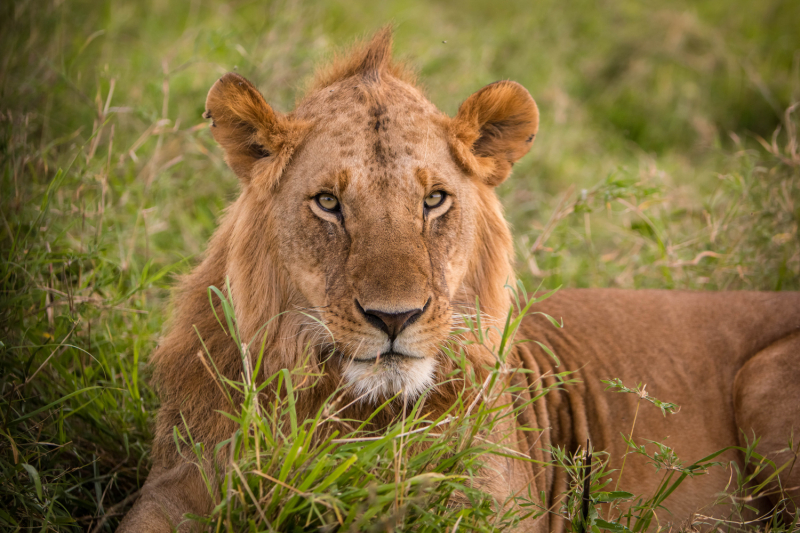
x=391, y=323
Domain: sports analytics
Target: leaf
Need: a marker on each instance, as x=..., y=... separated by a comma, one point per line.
x=34, y=475
x=607, y=497
x=549, y=352
x=333, y=476
x=611, y=526
x=287, y=382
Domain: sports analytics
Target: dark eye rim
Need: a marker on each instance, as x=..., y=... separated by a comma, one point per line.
x=438, y=204
x=336, y=209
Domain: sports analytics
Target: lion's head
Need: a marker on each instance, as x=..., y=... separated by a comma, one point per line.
x=366, y=208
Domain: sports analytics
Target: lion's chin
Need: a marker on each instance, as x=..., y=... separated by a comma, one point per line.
x=375, y=381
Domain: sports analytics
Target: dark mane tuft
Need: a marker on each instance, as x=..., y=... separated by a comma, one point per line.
x=368, y=60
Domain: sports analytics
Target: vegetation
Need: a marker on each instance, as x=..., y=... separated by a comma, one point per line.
x=668, y=157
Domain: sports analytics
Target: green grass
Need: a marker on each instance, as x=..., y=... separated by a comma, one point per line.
x=328, y=472
x=666, y=158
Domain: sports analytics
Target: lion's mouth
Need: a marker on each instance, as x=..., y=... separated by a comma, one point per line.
x=386, y=357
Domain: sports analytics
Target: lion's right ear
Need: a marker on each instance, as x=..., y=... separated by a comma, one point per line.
x=257, y=141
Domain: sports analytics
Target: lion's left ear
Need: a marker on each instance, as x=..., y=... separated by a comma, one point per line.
x=257, y=141
x=494, y=128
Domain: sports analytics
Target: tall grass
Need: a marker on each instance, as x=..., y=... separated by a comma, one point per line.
x=667, y=158
x=278, y=472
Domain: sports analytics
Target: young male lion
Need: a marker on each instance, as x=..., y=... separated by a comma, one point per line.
x=377, y=212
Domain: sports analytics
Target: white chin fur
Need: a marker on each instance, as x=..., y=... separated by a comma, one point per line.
x=377, y=382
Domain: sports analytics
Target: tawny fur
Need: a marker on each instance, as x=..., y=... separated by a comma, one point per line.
x=366, y=134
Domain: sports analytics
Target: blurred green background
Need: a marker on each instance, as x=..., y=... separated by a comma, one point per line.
x=667, y=157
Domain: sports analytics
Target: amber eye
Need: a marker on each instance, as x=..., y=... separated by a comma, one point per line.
x=328, y=202
x=434, y=199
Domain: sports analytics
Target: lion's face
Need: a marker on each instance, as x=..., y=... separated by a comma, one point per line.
x=379, y=209
x=377, y=229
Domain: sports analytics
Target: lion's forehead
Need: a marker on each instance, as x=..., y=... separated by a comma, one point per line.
x=353, y=114
x=382, y=136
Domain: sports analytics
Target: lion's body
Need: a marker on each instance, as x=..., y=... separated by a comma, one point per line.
x=388, y=271
x=697, y=350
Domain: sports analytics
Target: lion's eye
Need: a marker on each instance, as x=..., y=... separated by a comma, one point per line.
x=328, y=202
x=434, y=199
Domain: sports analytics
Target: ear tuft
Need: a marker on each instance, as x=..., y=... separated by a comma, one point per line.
x=247, y=128
x=494, y=128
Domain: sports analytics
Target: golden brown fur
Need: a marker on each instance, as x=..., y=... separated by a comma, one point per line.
x=367, y=136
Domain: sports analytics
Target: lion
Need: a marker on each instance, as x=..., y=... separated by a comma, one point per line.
x=376, y=213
